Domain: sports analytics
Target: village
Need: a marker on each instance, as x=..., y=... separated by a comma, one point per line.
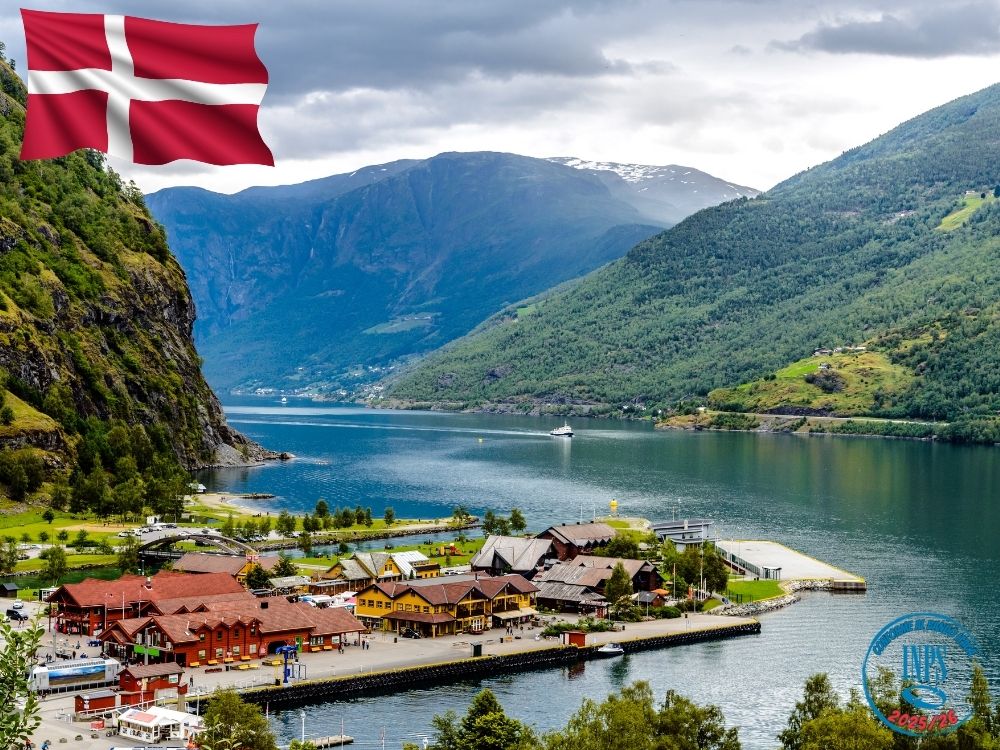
x=136, y=656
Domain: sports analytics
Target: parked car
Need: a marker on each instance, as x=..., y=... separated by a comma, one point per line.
x=124, y=534
x=17, y=605
x=409, y=633
x=16, y=615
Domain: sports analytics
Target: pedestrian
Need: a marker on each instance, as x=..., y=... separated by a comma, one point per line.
x=74, y=654
x=191, y=681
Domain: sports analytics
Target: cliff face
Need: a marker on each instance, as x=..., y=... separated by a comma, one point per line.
x=95, y=313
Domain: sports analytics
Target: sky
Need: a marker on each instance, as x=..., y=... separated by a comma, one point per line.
x=752, y=91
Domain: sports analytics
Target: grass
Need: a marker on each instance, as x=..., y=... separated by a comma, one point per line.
x=400, y=325
x=72, y=560
x=754, y=590
x=31, y=523
x=862, y=373
x=970, y=204
x=26, y=418
x=468, y=548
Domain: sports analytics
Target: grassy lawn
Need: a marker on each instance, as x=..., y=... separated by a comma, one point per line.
x=26, y=417
x=971, y=204
x=72, y=560
x=710, y=604
x=754, y=590
x=31, y=523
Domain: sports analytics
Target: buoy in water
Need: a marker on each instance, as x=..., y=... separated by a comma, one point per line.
x=480, y=440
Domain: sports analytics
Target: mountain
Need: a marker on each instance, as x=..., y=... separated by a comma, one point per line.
x=317, y=286
x=95, y=326
x=897, y=240
x=668, y=193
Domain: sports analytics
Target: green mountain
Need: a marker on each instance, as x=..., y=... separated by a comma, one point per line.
x=878, y=242
x=95, y=325
x=325, y=285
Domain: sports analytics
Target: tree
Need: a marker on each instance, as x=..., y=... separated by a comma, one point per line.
x=485, y=726
x=853, y=727
x=128, y=555
x=229, y=526
x=55, y=564
x=818, y=698
x=81, y=539
x=489, y=524
x=60, y=495
x=517, y=522
x=8, y=556
x=265, y=526
x=43, y=536
x=48, y=516
x=502, y=526
x=62, y=535
x=232, y=724
x=257, y=578
x=17, y=654
x=631, y=721
x=368, y=517
x=622, y=545
x=389, y=516
x=460, y=514
x=306, y=543
x=284, y=567
x=715, y=572
x=619, y=585
x=322, y=509
x=285, y=524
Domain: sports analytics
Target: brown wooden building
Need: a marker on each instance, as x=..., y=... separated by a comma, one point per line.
x=572, y=539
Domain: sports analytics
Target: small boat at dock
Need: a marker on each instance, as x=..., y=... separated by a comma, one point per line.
x=611, y=649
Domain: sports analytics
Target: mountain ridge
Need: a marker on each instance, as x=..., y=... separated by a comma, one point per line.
x=400, y=257
x=837, y=253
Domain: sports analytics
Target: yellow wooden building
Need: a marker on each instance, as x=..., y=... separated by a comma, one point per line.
x=446, y=606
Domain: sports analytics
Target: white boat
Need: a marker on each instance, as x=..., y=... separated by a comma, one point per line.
x=564, y=431
x=611, y=649
x=284, y=400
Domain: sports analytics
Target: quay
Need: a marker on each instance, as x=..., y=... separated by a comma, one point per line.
x=336, y=740
x=773, y=561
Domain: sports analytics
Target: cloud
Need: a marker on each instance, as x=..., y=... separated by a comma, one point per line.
x=942, y=31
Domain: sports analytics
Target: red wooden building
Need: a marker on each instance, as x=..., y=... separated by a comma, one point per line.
x=140, y=683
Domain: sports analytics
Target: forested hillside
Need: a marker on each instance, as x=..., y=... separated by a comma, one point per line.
x=845, y=252
x=99, y=378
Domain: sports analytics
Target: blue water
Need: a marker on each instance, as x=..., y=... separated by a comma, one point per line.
x=918, y=520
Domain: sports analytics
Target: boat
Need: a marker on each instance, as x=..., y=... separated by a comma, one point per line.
x=564, y=431
x=611, y=649
x=284, y=399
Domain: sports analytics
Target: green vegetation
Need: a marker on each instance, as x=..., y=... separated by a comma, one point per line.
x=96, y=330
x=851, y=383
x=20, y=716
x=233, y=724
x=843, y=253
x=970, y=204
x=753, y=590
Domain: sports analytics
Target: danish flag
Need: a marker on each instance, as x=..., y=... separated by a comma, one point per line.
x=147, y=91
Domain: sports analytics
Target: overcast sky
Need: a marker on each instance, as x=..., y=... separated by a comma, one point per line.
x=752, y=91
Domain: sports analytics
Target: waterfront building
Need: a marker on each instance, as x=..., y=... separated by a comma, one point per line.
x=683, y=532
x=92, y=605
x=141, y=683
x=573, y=539
x=238, y=566
x=578, y=585
x=513, y=554
x=230, y=632
x=365, y=568
x=457, y=604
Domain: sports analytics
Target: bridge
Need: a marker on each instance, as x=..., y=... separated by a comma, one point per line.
x=162, y=548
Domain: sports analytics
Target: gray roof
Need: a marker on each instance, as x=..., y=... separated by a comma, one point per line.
x=286, y=582
x=581, y=534
x=517, y=553
x=567, y=592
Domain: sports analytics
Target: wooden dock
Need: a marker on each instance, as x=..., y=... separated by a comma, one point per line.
x=334, y=740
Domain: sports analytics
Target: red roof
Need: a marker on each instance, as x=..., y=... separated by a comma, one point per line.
x=164, y=585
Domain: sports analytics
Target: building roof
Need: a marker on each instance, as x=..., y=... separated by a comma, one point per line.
x=516, y=553
x=204, y=562
x=576, y=575
x=608, y=563
x=567, y=592
x=166, y=584
x=406, y=560
x=139, y=671
x=367, y=565
x=195, y=603
x=286, y=582
x=453, y=589
x=9, y=586
x=581, y=534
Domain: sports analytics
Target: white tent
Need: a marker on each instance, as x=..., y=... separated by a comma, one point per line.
x=155, y=723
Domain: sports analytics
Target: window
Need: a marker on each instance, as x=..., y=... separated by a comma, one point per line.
x=201, y=655
x=426, y=610
x=201, y=637
x=236, y=650
x=378, y=604
x=315, y=640
x=236, y=633
x=218, y=635
x=409, y=607
x=218, y=653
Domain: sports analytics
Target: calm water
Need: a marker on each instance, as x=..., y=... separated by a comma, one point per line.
x=920, y=521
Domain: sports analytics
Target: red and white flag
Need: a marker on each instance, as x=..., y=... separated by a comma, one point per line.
x=147, y=91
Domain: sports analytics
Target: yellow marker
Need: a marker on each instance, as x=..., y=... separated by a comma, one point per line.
x=480, y=440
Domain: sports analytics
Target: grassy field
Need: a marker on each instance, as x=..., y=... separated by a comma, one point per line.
x=957, y=218
x=31, y=523
x=26, y=418
x=72, y=560
x=861, y=374
x=755, y=590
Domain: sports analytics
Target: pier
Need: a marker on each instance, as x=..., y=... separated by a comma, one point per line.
x=773, y=561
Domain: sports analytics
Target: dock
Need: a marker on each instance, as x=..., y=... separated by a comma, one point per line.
x=334, y=740
x=773, y=561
